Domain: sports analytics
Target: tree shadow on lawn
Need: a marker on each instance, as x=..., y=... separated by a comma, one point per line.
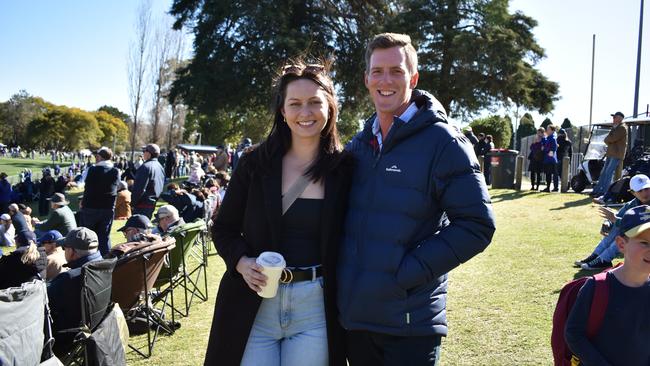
x=580, y=202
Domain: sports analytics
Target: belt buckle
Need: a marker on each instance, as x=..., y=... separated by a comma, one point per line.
x=287, y=276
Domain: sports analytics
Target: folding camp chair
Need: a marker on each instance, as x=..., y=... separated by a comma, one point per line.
x=97, y=340
x=187, y=265
x=22, y=322
x=133, y=279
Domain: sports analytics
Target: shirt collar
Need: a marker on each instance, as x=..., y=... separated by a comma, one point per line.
x=404, y=117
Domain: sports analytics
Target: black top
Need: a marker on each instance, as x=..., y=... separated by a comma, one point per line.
x=101, y=187
x=624, y=337
x=301, y=226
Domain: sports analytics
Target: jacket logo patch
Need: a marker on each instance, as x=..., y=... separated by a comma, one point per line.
x=394, y=169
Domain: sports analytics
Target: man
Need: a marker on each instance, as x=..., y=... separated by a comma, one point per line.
x=549, y=164
x=64, y=291
x=467, y=131
x=418, y=208
x=46, y=190
x=149, y=182
x=7, y=231
x=98, y=202
x=616, y=141
x=136, y=228
x=55, y=254
x=167, y=219
x=23, y=233
x=61, y=217
x=606, y=250
x=170, y=164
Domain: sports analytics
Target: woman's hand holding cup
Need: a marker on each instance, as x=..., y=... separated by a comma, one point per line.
x=252, y=273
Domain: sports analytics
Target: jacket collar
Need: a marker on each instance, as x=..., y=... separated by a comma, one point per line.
x=79, y=262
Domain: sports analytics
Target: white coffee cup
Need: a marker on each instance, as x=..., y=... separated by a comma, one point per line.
x=272, y=266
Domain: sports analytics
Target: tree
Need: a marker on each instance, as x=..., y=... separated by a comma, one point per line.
x=526, y=128
x=545, y=123
x=499, y=127
x=115, y=132
x=15, y=115
x=474, y=54
x=137, y=66
x=53, y=129
x=115, y=112
x=566, y=124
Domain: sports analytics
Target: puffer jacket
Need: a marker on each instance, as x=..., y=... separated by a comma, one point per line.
x=418, y=209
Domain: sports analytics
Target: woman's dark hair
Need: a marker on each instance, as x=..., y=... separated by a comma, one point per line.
x=279, y=139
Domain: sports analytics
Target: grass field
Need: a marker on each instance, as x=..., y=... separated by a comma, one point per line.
x=500, y=303
x=13, y=166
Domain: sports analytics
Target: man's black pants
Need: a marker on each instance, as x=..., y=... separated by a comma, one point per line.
x=375, y=349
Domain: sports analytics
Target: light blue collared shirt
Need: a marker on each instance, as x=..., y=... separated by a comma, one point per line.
x=405, y=117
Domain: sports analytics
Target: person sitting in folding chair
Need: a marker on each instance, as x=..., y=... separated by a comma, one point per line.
x=64, y=290
x=167, y=219
x=136, y=228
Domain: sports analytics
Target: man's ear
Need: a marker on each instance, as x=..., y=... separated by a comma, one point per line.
x=414, y=80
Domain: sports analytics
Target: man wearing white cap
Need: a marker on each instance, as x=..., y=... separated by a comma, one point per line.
x=607, y=250
x=7, y=231
x=167, y=219
x=149, y=182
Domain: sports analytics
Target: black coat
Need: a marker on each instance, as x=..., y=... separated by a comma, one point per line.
x=248, y=223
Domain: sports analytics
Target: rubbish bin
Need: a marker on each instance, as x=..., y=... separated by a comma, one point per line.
x=503, y=162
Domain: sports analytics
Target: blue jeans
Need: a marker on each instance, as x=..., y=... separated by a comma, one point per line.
x=290, y=328
x=607, y=249
x=606, y=175
x=100, y=221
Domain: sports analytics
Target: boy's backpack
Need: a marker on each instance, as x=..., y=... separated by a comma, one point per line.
x=562, y=355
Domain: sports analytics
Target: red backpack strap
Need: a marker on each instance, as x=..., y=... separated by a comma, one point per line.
x=598, y=305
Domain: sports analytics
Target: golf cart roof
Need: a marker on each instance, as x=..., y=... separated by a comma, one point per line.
x=638, y=121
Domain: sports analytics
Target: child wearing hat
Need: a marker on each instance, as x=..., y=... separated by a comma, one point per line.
x=624, y=334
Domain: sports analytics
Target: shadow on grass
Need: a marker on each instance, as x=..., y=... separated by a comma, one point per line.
x=510, y=195
x=570, y=204
x=579, y=274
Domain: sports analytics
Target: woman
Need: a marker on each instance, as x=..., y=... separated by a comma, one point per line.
x=301, y=320
x=536, y=157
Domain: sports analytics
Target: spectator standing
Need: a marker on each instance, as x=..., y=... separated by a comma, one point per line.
x=549, y=148
x=98, y=202
x=61, y=217
x=149, y=182
x=5, y=193
x=482, y=148
x=564, y=148
x=410, y=219
x=536, y=160
x=46, y=189
x=221, y=160
x=170, y=164
x=467, y=131
x=616, y=141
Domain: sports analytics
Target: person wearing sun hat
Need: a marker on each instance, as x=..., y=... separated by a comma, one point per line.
x=64, y=291
x=622, y=338
x=61, y=217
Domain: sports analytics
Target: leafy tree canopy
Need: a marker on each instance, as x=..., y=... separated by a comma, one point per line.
x=499, y=127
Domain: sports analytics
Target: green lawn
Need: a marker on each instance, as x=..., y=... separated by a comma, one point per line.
x=13, y=166
x=500, y=303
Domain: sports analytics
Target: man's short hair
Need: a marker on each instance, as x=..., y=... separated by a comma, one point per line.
x=390, y=40
x=105, y=153
x=552, y=127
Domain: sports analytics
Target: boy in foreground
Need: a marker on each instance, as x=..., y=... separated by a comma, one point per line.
x=624, y=335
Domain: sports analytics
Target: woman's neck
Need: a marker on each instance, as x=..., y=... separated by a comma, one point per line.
x=303, y=151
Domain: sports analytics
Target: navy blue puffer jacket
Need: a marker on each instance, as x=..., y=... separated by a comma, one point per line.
x=417, y=209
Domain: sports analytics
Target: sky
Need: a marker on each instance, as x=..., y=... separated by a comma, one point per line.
x=74, y=52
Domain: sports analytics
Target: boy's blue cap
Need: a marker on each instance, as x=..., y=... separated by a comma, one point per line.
x=52, y=235
x=635, y=221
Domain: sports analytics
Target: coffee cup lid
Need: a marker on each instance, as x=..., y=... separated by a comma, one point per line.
x=271, y=259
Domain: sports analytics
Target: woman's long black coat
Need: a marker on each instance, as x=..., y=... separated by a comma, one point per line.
x=248, y=223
